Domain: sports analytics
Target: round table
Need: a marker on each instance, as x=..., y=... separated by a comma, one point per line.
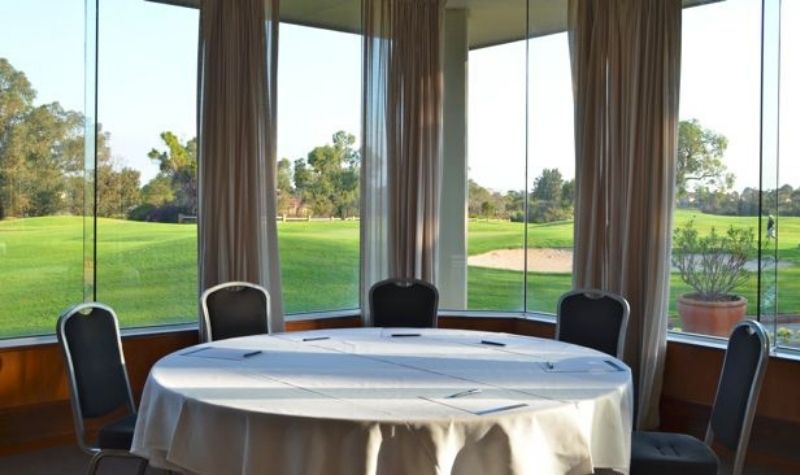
x=388, y=401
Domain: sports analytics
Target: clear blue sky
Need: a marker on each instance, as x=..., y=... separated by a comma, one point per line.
x=148, y=74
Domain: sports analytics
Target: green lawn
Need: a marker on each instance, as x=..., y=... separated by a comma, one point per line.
x=147, y=271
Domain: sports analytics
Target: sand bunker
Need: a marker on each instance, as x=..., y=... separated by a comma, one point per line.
x=539, y=260
x=558, y=260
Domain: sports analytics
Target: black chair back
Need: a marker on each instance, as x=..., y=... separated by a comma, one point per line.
x=89, y=338
x=235, y=309
x=404, y=303
x=594, y=319
x=739, y=384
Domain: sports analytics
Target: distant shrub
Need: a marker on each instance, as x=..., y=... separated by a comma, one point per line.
x=167, y=213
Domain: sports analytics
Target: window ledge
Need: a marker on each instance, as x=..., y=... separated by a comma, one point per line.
x=135, y=332
x=721, y=344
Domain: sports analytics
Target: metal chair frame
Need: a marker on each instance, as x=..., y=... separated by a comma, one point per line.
x=96, y=452
x=207, y=332
x=753, y=327
x=406, y=283
x=626, y=311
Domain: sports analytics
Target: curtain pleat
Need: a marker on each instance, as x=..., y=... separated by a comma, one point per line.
x=237, y=149
x=402, y=140
x=626, y=77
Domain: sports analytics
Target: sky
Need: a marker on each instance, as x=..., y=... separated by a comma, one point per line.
x=147, y=70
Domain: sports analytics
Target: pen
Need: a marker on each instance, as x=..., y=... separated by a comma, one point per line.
x=252, y=353
x=490, y=342
x=406, y=334
x=464, y=393
x=316, y=338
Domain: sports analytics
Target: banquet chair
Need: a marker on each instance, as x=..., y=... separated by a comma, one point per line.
x=657, y=453
x=235, y=309
x=88, y=335
x=594, y=319
x=404, y=303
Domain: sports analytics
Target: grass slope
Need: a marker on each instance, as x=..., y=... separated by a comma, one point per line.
x=147, y=271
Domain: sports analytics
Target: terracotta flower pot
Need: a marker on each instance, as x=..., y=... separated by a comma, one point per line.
x=711, y=317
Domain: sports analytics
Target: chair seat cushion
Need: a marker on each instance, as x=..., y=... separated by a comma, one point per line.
x=657, y=453
x=118, y=434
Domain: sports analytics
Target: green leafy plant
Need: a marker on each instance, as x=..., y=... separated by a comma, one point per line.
x=713, y=265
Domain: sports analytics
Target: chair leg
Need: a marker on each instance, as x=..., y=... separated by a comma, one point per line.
x=142, y=467
x=95, y=462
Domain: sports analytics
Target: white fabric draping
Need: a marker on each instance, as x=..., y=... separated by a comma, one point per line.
x=626, y=78
x=237, y=112
x=361, y=401
x=402, y=140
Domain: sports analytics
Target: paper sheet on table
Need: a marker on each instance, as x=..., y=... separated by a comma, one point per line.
x=481, y=404
x=583, y=365
x=221, y=353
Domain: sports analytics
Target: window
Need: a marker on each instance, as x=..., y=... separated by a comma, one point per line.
x=319, y=107
x=716, y=219
x=782, y=40
x=42, y=175
x=551, y=172
x=146, y=239
x=496, y=183
x=521, y=172
x=737, y=171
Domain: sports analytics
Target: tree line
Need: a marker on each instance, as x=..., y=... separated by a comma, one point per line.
x=42, y=173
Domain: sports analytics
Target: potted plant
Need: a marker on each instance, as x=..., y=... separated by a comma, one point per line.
x=713, y=266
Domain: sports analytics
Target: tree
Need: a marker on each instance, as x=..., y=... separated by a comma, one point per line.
x=547, y=186
x=41, y=151
x=327, y=179
x=568, y=194
x=158, y=191
x=178, y=163
x=284, y=184
x=478, y=199
x=118, y=190
x=700, y=154
x=16, y=100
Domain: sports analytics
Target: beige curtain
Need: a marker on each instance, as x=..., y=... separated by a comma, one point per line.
x=237, y=109
x=626, y=77
x=402, y=140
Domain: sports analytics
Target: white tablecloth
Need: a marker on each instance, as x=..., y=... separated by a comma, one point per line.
x=363, y=401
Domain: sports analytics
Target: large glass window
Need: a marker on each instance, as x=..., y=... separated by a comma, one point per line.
x=551, y=172
x=146, y=173
x=319, y=97
x=496, y=178
x=521, y=169
x=783, y=39
x=42, y=174
x=715, y=259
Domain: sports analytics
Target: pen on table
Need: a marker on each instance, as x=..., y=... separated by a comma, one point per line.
x=316, y=338
x=251, y=353
x=464, y=393
x=490, y=342
x=500, y=409
x=406, y=334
